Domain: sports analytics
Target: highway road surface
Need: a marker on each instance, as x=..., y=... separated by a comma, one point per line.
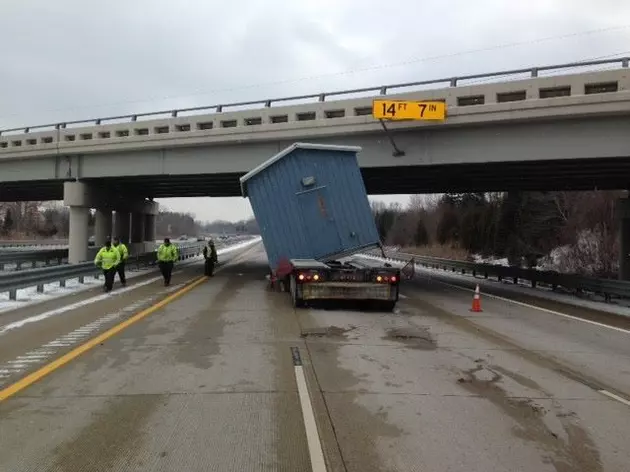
x=223, y=374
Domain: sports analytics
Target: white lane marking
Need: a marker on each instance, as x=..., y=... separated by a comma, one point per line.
x=614, y=397
x=73, y=306
x=29, y=357
x=312, y=436
x=545, y=310
x=402, y=296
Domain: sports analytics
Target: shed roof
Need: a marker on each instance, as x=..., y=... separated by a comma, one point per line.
x=269, y=162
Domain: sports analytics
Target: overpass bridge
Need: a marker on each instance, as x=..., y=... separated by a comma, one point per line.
x=564, y=131
x=560, y=131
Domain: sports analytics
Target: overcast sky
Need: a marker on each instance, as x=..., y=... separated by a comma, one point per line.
x=74, y=59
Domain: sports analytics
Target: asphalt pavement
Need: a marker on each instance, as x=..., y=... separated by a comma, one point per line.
x=209, y=382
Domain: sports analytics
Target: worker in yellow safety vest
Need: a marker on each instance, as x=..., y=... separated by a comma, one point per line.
x=167, y=255
x=107, y=259
x=124, y=255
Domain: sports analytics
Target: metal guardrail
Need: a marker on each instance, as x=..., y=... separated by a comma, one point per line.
x=609, y=288
x=33, y=242
x=14, y=281
x=22, y=257
x=60, y=255
x=321, y=97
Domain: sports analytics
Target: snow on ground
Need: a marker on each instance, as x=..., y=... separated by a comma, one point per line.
x=53, y=290
x=594, y=302
x=490, y=260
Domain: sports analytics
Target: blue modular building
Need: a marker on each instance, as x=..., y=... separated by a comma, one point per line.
x=310, y=202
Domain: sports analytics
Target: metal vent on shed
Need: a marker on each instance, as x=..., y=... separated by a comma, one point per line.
x=308, y=181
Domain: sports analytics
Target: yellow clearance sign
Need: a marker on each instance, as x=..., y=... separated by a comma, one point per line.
x=408, y=110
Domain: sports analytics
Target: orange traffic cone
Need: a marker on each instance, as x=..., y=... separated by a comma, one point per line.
x=476, y=304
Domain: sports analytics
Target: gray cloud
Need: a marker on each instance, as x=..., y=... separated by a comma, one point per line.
x=72, y=59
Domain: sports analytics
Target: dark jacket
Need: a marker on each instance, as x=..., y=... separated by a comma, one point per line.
x=211, y=255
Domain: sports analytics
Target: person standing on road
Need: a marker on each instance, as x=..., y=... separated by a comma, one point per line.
x=107, y=259
x=167, y=255
x=124, y=255
x=210, y=258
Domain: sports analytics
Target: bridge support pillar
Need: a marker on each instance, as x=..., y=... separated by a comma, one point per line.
x=623, y=213
x=102, y=226
x=150, y=218
x=78, y=237
x=76, y=195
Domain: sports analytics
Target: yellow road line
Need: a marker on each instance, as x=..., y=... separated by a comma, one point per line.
x=76, y=352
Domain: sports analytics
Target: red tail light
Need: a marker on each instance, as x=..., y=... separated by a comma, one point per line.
x=309, y=276
x=393, y=279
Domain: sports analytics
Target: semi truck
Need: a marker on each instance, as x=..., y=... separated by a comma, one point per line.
x=315, y=220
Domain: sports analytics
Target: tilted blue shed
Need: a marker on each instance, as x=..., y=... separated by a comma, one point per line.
x=310, y=203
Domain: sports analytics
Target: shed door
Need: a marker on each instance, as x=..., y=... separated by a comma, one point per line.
x=321, y=231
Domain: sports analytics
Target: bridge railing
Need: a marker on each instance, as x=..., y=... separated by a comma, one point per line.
x=608, y=288
x=19, y=258
x=454, y=81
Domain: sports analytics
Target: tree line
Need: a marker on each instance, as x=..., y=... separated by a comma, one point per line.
x=35, y=220
x=573, y=232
